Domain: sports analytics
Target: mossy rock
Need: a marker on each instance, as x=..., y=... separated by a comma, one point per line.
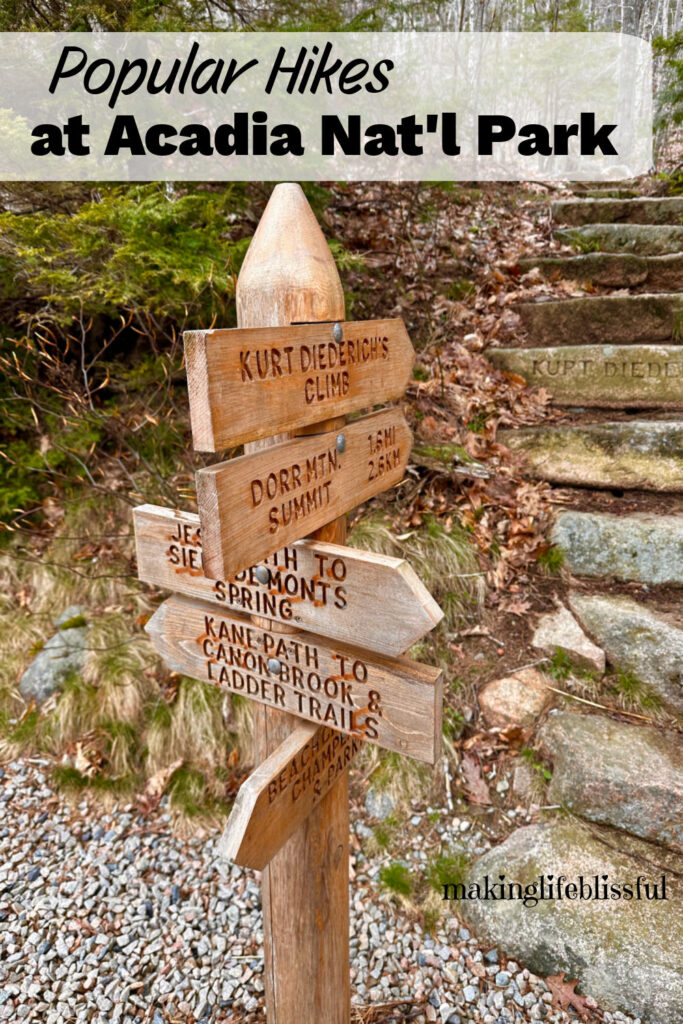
x=447, y=458
x=616, y=773
x=643, y=455
x=637, y=548
x=623, y=952
x=605, y=376
x=638, y=641
x=608, y=210
x=641, y=239
x=613, y=270
x=617, y=319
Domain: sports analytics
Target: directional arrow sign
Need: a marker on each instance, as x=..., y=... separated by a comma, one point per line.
x=251, y=383
x=325, y=588
x=257, y=504
x=395, y=703
x=282, y=791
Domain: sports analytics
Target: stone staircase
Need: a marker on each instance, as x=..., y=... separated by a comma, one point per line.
x=613, y=365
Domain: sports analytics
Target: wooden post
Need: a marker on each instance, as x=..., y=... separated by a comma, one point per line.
x=289, y=276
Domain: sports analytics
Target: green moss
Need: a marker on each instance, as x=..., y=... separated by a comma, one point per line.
x=460, y=289
x=444, y=454
x=397, y=878
x=580, y=242
x=74, y=622
x=550, y=560
x=448, y=868
x=68, y=778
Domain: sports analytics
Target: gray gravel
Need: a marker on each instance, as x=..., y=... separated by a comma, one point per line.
x=116, y=919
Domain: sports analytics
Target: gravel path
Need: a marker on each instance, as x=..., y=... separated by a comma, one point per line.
x=119, y=920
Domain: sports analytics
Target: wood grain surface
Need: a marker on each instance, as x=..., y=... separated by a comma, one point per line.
x=394, y=702
x=251, y=383
x=251, y=506
x=365, y=599
x=282, y=791
x=289, y=276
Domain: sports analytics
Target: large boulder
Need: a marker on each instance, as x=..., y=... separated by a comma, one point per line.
x=641, y=239
x=60, y=656
x=640, y=454
x=629, y=776
x=607, y=376
x=643, y=210
x=595, y=319
x=559, y=630
x=637, y=640
x=639, y=547
x=624, y=952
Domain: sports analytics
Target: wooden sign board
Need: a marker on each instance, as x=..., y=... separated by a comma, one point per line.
x=395, y=703
x=254, y=505
x=282, y=791
x=327, y=589
x=251, y=383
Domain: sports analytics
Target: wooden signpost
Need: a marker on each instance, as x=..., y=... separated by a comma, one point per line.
x=394, y=702
x=282, y=791
x=323, y=588
x=265, y=559
x=253, y=383
x=251, y=506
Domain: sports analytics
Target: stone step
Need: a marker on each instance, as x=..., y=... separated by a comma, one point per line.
x=639, y=640
x=644, y=210
x=613, y=270
x=641, y=547
x=581, y=186
x=596, y=319
x=623, y=951
x=628, y=776
x=602, y=376
x=607, y=193
x=641, y=454
x=641, y=239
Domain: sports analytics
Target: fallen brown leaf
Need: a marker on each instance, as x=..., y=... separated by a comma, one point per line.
x=474, y=784
x=564, y=995
x=155, y=786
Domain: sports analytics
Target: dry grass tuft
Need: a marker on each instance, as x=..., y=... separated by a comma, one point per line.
x=190, y=729
x=123, y=718
x=402, y=778
x=445, y=560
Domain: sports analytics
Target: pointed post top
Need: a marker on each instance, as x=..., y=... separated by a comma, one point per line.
x=289, y=274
